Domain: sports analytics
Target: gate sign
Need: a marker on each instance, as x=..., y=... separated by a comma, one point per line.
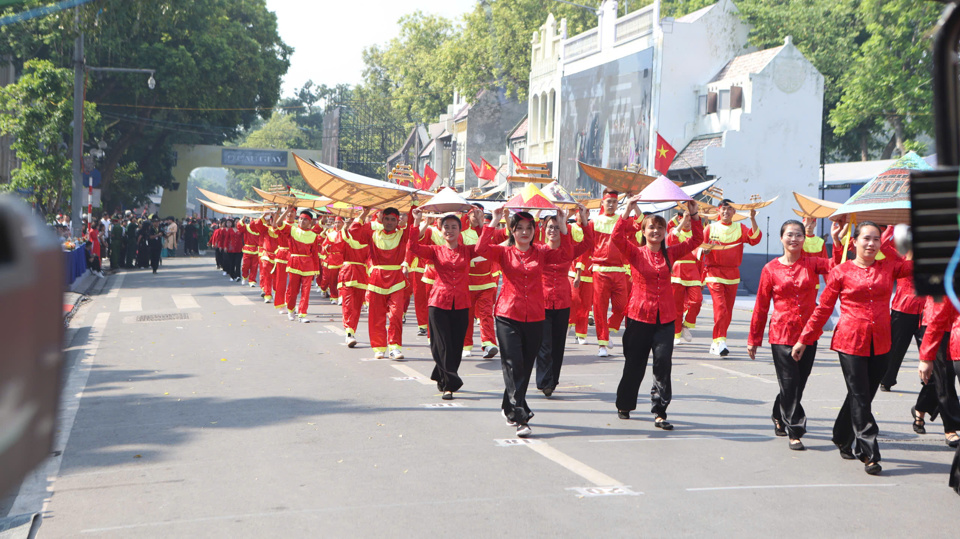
x=237, y=157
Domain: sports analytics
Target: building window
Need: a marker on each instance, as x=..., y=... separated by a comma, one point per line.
x=711, y=102
x=534, y=118
x=551, y=112
x=724, y=100
x=736, y=97
x=543, y=117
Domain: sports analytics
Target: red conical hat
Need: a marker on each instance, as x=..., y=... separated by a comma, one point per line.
x=663, y=190
x=530, y=198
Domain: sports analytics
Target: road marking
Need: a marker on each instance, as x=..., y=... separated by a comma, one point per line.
x=185, y=301
x=596, y=477
x=409, y=371
x=592, y=492
x=766, y=487
x=678, y=438
x=337, y=330
x=130, y=305
x=511, y=442
x=37, y=488
x=443, y=405
x=117, y=283
x=738, y=373
x=238, y=300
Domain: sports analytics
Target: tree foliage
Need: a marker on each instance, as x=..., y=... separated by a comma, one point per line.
x=38, y=115
x=279, y=132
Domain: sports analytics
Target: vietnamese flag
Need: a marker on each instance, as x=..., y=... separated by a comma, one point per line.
x=476, y=169
x=664, y=156
x=516, y=160
x=430, y=176
x=487, y=172
x=417, y=180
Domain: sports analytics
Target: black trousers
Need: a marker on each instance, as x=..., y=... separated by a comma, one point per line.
x=904, y=327
x=233, y=264
x=550, y=357
x=218, y=256
x=130, y=256
x=639, y=339
x=928, y=401
x=519, y=345
x=940, y=394
x=792, y=377
x=855, y=429
x=448, y=327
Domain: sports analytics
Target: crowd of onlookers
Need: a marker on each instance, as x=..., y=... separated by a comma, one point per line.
x=130, y=241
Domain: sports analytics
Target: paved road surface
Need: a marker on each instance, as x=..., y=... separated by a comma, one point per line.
x=194, y=410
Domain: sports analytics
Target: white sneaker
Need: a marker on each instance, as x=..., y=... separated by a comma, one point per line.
x=291, y=317
x=686, y=334
x=722, y=349
x=509, y=423
x=396, y=354
x=714, y=350
x=523, y=431
x=490, y=351
x=378, y=355
x=678, y=342
x=466, y=353
x=351, y=341
x=581, y=340
x=253, y=284
x=244, y=281
x=267, y=299
x=603, y=352
x=333, y=301
x=340, y=301
x=304, y=320
x=224, y=273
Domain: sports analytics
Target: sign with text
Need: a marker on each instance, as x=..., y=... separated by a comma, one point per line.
x=238, y=157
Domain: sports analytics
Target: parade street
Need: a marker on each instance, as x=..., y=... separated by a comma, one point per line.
x=192, y=409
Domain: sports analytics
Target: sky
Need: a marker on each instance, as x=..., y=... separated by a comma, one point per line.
x=328, y=36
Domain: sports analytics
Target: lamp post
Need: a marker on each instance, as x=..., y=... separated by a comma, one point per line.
x=80, y=68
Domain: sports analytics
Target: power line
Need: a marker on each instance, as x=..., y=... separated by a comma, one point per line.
x=39, y=11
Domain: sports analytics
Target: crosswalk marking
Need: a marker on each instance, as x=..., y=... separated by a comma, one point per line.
x=117, y=284
x=238, y=300
x=129, y=305
x=185, y=301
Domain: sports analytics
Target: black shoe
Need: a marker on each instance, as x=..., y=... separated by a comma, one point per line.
x=872, y=468
x=953, y=442
x=447, y=396
x=778, y=428
x=846, y=454
x=918, y=423
x=796, y=445
x=661, y=423
x=623, y=414
x=885, y=388
x=547, y=392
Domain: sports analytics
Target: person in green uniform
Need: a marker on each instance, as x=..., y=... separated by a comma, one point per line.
x=116, y=243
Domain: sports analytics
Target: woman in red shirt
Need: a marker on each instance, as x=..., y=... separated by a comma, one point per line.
x=557, y=300
x=791, y=283
x=651, y=312
x=448, y=303
x=862, y=338
x=520, y=309
x=940, y=364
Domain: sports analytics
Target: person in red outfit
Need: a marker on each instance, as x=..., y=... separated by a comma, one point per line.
x=251, y=252
x=415, y=269
x=790, y=281
x=281, y=259
x=333, y=248
x=687, y=283
x=939, y=394
x=581, y=291
x=385, y=281
x=862, y=338
x=609, y=271
x=723, y=254
x=484, y=278
x=233, y=250
x=943, y=331
x=303, y=262
x=268, y=251
x=449, y=300
x=352, y=283
x=651, y=312
x=904, y=324
x=520, y=307
x=557, y=302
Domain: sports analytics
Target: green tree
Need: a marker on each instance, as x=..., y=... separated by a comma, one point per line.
x=218, y=66
x=38, y=113
x=890, y=74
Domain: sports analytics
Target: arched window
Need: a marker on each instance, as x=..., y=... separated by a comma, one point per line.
x=534, y=119
x=551, y=113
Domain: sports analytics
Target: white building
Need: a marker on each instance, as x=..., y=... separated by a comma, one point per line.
x=750, y=118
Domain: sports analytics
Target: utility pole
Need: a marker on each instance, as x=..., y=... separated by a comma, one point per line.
x=78, y=77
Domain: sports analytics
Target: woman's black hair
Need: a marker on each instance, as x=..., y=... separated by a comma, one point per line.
x=792, y=222
x=515, y=220
x=451, y=216
x=663, y=244
x=856, y=233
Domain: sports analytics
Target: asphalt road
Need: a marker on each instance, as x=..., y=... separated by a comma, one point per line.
x=194, y=410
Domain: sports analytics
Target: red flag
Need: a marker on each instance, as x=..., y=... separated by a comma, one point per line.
x=417, y=180
x=430, y=176
x=487, y=172
x=476, y=169
x=516, y=160
x=664, y=157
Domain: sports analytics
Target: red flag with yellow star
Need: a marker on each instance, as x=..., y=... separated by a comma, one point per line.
x=664, y=156
x=487, y=171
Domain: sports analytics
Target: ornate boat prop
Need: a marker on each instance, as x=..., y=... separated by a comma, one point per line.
x=354, y=189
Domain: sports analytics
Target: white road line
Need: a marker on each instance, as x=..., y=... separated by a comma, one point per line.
x=738, y=373
x=679, y=438
x=185, y=301
x=409, y=371
x=766, y=487
x=238, y=300
x=37, y=489
x=337, y=330
x=130, y=305
x=117, y=284
x=594, y=476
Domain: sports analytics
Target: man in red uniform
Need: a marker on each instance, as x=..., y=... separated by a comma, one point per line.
x=687, y=285
x=268, y=251
x=581, y=293
x=352, y=283
x=386, y=282
x=303, y=263
x=813, y=245
x=232, y=241
x=251, y=253
x=333, y=249
x=609, y=273
x=281, y=259
x=723, y=253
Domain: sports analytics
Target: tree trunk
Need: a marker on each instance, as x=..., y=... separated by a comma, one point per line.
x=864, y=154
x=888, y=149
x=897, y=122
